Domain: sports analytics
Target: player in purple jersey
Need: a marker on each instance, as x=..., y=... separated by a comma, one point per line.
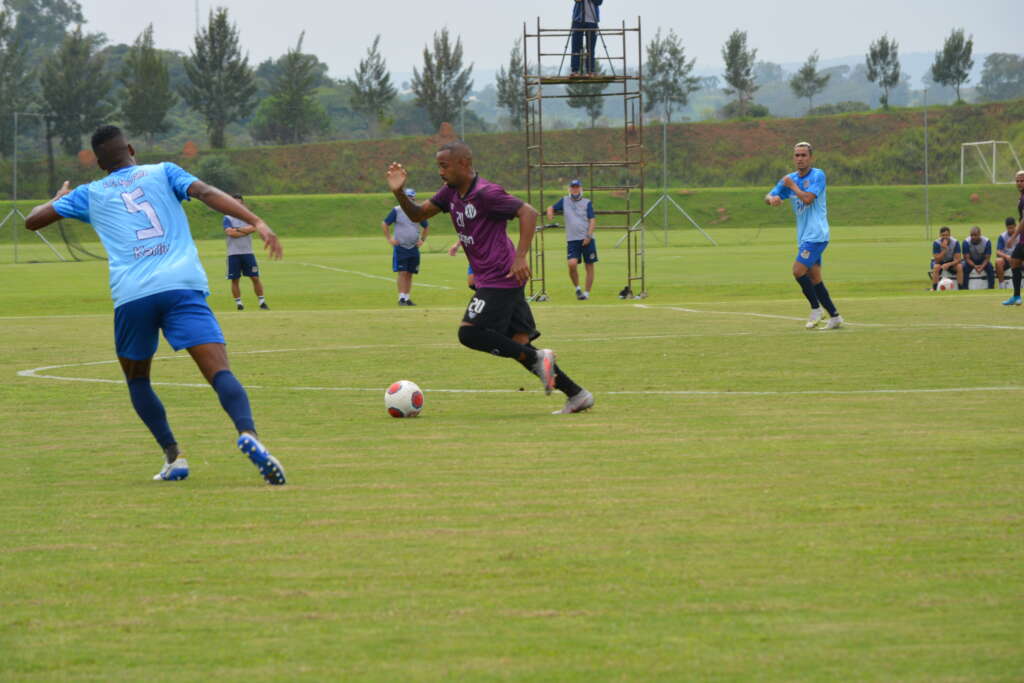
x=1017, y=255
x=160, y=298
x=498, y=319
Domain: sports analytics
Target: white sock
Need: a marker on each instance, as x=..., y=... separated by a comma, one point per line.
x=263, y=299
x=238, y=300
x=403, y=296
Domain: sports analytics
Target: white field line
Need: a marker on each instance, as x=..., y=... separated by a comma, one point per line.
x=846, y=323
x=41, y=373
x=366, y=275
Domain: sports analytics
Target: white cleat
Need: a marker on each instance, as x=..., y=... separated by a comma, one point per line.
x=834, y=323
x=173, y=471
x=544, y=367
x=814, y=318
x=577, y=404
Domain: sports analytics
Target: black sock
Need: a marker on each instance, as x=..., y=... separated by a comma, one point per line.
x=562, y=381
x=805, y=284
x=825, y=299
x=481, y=339
x=564, y=384
x=1016, y=281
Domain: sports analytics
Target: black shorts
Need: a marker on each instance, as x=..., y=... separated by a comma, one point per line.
x=504, y=311
x=1018, y=251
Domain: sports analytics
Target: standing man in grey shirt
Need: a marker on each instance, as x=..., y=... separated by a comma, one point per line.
x=241, y=259
x=580, y=222
x=408, y=238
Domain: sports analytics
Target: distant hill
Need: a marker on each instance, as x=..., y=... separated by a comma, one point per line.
x=873, y=148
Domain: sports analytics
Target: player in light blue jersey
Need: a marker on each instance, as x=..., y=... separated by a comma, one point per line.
x=806, y=190
x=158, y=283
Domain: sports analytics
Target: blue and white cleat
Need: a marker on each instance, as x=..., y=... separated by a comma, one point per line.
x=258, y=454
x=173, y=471
x=1013, y=301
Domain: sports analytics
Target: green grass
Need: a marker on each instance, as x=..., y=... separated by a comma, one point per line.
x=836, y=505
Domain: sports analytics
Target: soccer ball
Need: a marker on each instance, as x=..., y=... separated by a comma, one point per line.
x=946, y=284
x=403, y=399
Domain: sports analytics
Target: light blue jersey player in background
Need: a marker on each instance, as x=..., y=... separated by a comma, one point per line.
x=806, y=189
x=158, y=283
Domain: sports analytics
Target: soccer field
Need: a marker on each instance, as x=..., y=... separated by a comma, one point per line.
x=747, y=500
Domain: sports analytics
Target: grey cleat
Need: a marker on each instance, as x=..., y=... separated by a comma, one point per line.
x=584, y=400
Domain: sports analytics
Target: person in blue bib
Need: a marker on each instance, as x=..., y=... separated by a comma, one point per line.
x=158, y=283
x=406, y=242
x=580, y=222
x=806, y=190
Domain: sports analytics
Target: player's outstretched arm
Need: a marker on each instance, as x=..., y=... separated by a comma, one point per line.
x=44, y=214
x=397, y=175
x=222, y=202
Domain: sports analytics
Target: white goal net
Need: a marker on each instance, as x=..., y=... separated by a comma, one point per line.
x=991, y=161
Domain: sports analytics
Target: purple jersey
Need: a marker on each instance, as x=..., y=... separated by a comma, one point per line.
x=481, y=220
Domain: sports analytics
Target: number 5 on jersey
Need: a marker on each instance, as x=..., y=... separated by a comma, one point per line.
x=133, y=206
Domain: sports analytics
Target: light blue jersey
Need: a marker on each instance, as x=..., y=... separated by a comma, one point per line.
x=136, y=211
x=811, y=219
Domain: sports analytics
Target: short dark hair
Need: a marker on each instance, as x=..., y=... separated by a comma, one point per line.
x=105, y=134
x=458, y=148
x=1010, y=220
x=944, y=228
x=237, y=196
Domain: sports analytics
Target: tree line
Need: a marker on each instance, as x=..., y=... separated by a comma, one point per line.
x=67, y=80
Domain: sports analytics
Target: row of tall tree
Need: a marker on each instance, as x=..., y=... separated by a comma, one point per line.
x=65, y=79
x=669, y=82
x=73, y=88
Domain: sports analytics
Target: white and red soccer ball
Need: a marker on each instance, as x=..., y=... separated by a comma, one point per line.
x=403, y=399
x=946, y=285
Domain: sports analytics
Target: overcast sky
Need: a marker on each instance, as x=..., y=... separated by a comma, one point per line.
x=340, y=32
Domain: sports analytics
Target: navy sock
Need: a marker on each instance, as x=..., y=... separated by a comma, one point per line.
x=480, y=339
x=1016, y=281
x=805, y=284
x=149, y=408
x=234, y=400
x=825, y=299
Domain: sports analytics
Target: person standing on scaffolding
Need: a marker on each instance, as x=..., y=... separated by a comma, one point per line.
x=585, y=15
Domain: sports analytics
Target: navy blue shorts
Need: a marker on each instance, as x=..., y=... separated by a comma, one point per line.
x=242, y=264
x=809, y=253
x=407, y=260
x=182, y=314
x=576, y=250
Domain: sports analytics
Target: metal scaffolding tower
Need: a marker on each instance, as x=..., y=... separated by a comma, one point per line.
x=620, y=178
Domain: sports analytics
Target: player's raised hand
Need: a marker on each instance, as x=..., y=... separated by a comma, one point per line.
x=397, y=176
x=64, y=189
x=270, y=241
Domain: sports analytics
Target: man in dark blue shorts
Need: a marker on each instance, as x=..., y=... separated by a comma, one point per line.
x=406, y=242
x=241, y=258
x=580, y=222
x=158, y=283
x=1017, y=255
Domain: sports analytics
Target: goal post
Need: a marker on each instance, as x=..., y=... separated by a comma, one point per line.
x=989, y=161
x=61, y=242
